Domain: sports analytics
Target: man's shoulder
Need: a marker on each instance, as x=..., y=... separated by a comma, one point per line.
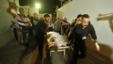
x=77, y=26
x=90, y=25
x=41, y=21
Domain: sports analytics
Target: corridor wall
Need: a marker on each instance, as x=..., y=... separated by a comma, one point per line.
x=5, y=22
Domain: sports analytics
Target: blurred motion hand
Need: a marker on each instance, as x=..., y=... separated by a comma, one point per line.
x=97, y=46
x=84, y=37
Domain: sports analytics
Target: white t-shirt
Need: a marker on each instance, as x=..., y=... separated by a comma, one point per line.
x=15, y=25
x=16, y=20
x=24, y=19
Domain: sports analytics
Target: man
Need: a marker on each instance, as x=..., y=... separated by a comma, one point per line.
x=57, y=25
x=49, y=22
x=75, y=22
x=64, y=26
x=12, y=9
x=79, y=35
x=24, y=25
x=41, y=29
x=31, y=29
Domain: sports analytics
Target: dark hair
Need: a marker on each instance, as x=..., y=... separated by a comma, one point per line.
x=85, y=16
x=46, y=15
x=79, y=15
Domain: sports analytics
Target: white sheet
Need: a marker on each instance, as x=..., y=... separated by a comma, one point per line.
x=59, y=40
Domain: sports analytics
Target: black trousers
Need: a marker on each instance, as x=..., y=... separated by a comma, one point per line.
x=40, y=53
x=15, y=33
x=79, y=51
x=40, y=43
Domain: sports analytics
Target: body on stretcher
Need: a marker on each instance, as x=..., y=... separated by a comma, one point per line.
x=57, y=43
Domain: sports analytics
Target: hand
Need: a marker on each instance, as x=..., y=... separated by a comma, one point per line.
x=84, y=37
x=97, y=46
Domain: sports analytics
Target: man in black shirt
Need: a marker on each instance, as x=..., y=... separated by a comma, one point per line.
x=41, y=29
x=79, y=35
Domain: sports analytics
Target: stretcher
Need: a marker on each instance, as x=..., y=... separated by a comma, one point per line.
x=57, y=42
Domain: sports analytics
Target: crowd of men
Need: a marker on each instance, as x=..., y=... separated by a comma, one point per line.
x=36, y=27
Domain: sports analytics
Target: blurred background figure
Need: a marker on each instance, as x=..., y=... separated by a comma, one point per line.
x=57, y=25
x=49, y=22
x=65, y=26
x=77, y=20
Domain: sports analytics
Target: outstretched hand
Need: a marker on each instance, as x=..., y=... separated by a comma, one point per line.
x=97, y=46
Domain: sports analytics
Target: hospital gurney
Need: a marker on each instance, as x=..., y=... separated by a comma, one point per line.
x=57, y=43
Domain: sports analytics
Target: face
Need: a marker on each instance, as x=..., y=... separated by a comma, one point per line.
x=78, y=21
x=85, y=22
x=48, y=19
x=22, y=11
x=36, y=16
